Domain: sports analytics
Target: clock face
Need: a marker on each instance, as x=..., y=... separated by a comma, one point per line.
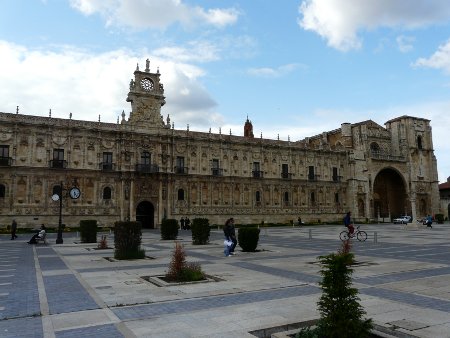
x=74, y=193
x=147, y=84
x=55, y=197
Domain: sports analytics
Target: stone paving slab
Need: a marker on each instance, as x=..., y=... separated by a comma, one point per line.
x=71, y=290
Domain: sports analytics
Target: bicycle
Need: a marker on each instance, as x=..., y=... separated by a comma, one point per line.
x=361, y=235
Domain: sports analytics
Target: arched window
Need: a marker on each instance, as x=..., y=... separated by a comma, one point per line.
x=419, y=142
x=258, y=196
x=286, y=197
x=2, y=191
x=180, y=194
x=313, y=198
x=374, y=147
x=107, y=193
x=336, y=197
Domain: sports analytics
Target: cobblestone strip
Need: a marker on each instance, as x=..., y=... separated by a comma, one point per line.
x=402, y=276
x=108, y=330
x=408, y=298
x=299, y=276
x=189, y=305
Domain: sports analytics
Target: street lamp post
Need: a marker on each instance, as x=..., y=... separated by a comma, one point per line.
x=74, y=193
x=59, y=239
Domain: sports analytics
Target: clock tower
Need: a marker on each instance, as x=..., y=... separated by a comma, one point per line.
x=147, y=97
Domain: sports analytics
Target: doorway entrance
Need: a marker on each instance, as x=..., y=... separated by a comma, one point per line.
x=145, y=213
x=389, y=195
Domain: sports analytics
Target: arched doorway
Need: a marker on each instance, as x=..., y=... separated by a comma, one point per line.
x=145, y=213
x=389, y=195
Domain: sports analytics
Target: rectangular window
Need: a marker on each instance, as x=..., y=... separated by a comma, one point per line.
x=4, y=151
x=311, y=175
x=256, y=170
x=180, y=168
x=335, y=174
x=4, y=156
x=146, y=158
x=58, y=158
x=215, y=169
x=285, y=171
x=107, y=163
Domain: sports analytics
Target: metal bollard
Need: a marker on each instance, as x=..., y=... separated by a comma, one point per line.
x=310, y=233
x=375, y=237
x=77, y=234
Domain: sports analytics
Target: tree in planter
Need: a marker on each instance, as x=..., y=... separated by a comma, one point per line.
x=341, y=315
x=127, y=240
x=180, y=270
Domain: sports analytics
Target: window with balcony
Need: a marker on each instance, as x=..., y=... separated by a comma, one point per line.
x=107, y=164
x=285, y=172
x=58, y=159
x=335, y=175
x=256, y=172
x=5, y=160
x=145, y=165
x=179, y=166
x=215, y=168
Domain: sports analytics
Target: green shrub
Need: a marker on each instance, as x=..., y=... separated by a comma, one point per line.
x=341, y=315
x=248, y=238
x=127, y=240
x=88, y=231
x=439, y=218
x=200, y=231
x=169, y=229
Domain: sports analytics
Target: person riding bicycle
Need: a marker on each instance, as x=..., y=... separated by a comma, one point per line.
x=348, y=223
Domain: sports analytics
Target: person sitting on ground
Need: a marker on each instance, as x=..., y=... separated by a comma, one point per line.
x=348, y=223
x=40, y=234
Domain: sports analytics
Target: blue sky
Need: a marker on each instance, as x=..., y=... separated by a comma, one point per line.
x=295, y=67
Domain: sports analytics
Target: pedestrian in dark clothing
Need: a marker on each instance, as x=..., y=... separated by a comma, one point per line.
x=182, y=223
x=348, y=223
x=188, y=223
x=230, y=234
x=13, y=229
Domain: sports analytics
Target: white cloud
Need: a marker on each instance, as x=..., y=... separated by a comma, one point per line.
x=273, y=72
x=142, y=14
x=340, y=21
x=439, y=60
x=69, y=80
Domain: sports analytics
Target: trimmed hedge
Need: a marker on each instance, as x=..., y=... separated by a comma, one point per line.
x=200, y=231
x=169, y=229
x=127, y=240
x=248, y=238
x=88, y=231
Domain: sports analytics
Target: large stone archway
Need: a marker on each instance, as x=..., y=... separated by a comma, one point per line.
x=145, y=213
x=389, y=195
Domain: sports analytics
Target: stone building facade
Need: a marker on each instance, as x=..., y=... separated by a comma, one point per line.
x=143, y=168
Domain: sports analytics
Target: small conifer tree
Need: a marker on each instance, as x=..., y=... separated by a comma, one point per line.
x=341, y=313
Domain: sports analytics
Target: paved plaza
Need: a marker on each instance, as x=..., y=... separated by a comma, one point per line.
x=74, y=290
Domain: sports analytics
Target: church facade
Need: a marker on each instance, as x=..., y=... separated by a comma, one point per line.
x=142, y=168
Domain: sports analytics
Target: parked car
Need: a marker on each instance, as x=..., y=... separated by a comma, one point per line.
x=403, y=220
